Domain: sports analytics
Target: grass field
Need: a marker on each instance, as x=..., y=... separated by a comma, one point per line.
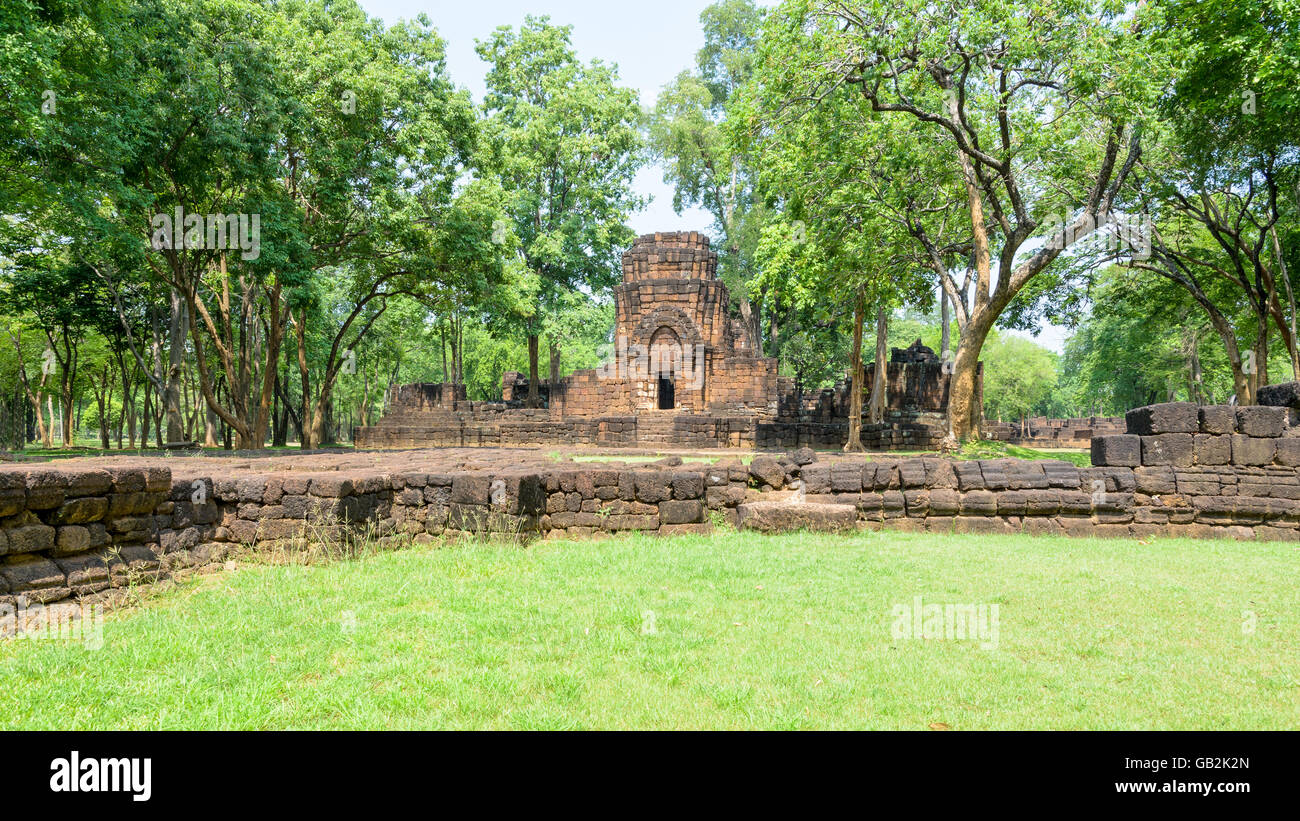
x=730, y=631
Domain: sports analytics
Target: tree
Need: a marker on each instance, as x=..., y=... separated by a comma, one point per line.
x=1020, y=376
x=1034, y=104
x=567, y=145
x=65, y=299
x=847, y=215
x=1221, y=179
x=687, y=135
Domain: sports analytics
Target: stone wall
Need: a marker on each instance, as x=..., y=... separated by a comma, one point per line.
x=75, y=530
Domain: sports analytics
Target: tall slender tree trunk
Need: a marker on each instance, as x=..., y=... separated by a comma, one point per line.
x=146, y=414
x=177, y=329
x=305, y=419
x=442, y=343
x=945, y=316
x=854, y=443
x=880, y=384
x=554, y=351
x=534, y=399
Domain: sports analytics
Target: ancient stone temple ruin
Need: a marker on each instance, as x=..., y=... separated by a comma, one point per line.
x=682, y=372
x=676, y=346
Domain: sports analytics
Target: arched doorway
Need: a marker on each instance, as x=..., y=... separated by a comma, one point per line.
x=665, y=366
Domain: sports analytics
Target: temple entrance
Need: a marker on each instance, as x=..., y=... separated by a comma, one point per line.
x=666, y=394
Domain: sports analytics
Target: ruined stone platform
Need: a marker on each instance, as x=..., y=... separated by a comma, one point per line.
x=79, y=528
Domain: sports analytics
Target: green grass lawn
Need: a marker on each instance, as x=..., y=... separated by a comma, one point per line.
x=731, y=631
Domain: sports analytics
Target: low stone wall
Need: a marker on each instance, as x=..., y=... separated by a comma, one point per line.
x=85, y=528
x=680, y=431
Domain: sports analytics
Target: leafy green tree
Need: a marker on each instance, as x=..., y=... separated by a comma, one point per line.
x=687, y=135
x=1145, y=341
x=567, y=144
x=1031, y=104
x=1220, y=174
x=1019, y=376
x=67, y=302
x=847, y=216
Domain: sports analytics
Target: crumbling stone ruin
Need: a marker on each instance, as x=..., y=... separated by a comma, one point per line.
x=683, y=372
x=86, y=528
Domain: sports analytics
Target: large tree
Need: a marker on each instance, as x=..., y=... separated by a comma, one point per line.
x=567, y=146
x=1221, y=170
x=1035, y=103
x=688, y=136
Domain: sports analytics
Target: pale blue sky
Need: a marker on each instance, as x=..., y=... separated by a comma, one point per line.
x=650, y=42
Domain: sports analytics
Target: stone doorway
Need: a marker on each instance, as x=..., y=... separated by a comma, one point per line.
x=666, y=394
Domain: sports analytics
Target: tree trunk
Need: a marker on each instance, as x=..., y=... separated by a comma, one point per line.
x=533, y=398
x=965, y=405
x=177, y=330
x=945, y=340
x=275, y=335
x=101, y=403
x=146, y=414
x=306, y=428
x=69, y=425
x=854, y=443
x=554, y=351
x=880, y=384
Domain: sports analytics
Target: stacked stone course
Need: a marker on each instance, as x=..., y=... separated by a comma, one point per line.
x=88, y=527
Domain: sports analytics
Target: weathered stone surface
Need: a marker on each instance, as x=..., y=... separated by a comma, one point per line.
x=688, y=485
x=1167, y=417
x=846, y=477
x=767, y=470
x=1167, y=448
x=473, y=490
x=1212, y=450
x=45, y=488
x=71, y=539
x=1284, y=395
x=817, y=477
x=779, y=517
x=969, y=476
x=1288, y=451
x=79, y=511
x=1259, y=420
x=1233, y=485
x=654, y=486
x=13, y=492
x=1218, y=419
x=127, y=478
x=36, y=577
x=1154, y=480
x=29, y=538
x=684, y=511
x=1121, y=450
x=85, y=574
x=336, y=486
x=979, y=503
x=803, y=456
x=1251, y=450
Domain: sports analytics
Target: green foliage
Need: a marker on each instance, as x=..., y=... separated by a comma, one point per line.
x=1149, y=343
x=565, y=139
x=687, y=134
x=1019, y=376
